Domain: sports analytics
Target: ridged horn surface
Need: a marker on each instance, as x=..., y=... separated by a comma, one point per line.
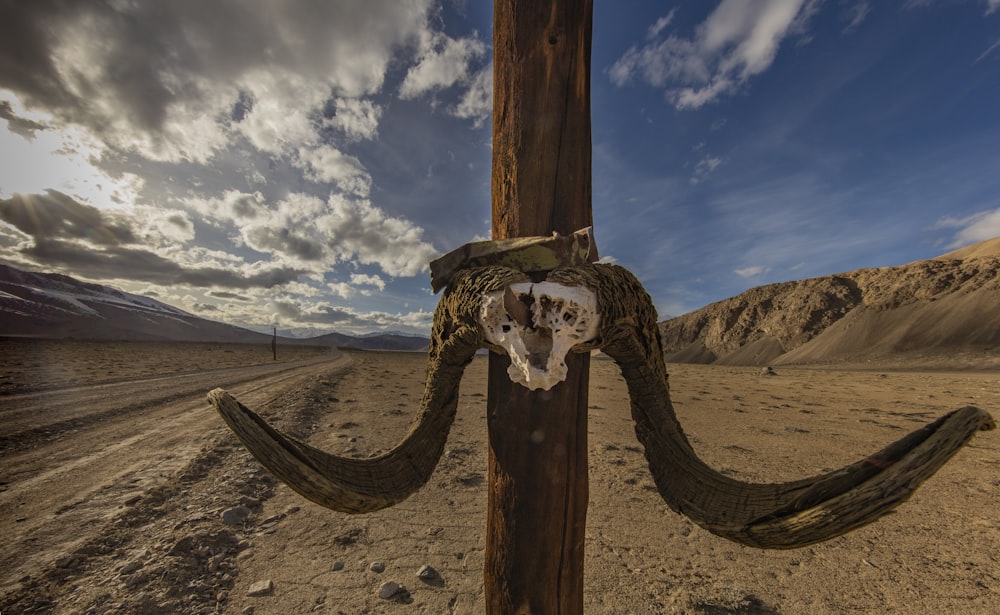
x=778, y=515
x=364, y=485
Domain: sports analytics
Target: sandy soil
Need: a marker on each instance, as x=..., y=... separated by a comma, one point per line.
x=111, y=494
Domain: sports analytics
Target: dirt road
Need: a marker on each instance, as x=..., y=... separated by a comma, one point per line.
x=72, y=458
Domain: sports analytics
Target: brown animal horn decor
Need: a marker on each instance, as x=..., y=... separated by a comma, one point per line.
x=598, y=306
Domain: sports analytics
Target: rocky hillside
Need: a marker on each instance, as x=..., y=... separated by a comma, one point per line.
x=933, y=311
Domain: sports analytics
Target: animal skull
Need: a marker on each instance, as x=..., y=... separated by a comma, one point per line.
x=536, y=324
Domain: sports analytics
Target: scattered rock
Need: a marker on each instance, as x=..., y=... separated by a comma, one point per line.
x=388, y=589
x=426, y=573
x=236, y=515
x=131, y=566
x=215, y=561
x=249, y=502
x=261, y=588
x=377, y=567
x=68, y=561
x=338, y=566
x=247, y=611
x=767, y=371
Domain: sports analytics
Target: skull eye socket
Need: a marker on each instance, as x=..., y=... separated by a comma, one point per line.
x=569, y=317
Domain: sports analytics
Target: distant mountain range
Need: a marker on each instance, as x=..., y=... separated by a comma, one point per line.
x=943, y=311
x=947, y=307
x=51, y=305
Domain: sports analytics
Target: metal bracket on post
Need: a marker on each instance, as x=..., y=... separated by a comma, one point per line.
x=531, y=255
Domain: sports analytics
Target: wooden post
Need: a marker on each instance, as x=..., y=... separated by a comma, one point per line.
x=541, y=183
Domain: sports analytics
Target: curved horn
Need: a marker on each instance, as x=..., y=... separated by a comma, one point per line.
x=779, y=515
x=364, y=485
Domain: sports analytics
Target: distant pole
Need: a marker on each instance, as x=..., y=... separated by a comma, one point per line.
x=541, y=183
x=274, y=344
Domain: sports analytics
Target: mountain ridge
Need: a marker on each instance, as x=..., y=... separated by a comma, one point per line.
x=935, y=310
x=54, y=305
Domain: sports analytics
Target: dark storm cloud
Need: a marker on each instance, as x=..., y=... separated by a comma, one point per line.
x=56, y=215
x=221, y=294
x=144, y=266
x=18, y=125
x=316, y=314
x=132, y=42
x=81, y=58
x=25, y=62
x=181, y=222
x=283, y=240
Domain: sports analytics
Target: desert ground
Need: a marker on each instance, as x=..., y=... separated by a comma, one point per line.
x=115, y=475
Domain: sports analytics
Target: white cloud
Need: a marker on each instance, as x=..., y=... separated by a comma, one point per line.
x=232, y=206
x=444, y=62
x=358, y=230
x=361, y=279
x=988, y=49
x=477, y=102
x=305, y=230
x=279, y=118
x=856, y=15
x=164, y=226
x=704, y=168
x=167, y=80
x=660, y=24
x=749, y=272
x=972, y=229
x=63, y=160
x=356, y=118
x=341, y=289
x=313, y=317
x=737, y=41
x=328, y=165
x=992, y=5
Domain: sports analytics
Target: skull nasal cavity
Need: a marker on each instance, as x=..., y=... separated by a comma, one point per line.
x=538, y=343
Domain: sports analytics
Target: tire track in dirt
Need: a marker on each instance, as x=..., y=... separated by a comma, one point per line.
x=85, y=460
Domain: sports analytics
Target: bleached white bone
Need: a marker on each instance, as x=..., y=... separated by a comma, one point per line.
x=555, y=318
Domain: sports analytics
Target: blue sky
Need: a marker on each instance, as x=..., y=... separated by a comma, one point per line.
x=299, y=162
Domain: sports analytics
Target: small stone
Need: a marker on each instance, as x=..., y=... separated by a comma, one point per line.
x=377, y=567
x=249, y=502
x=134, y=580
x=236, y=515
x=68, y=561
x=292, y=510
x=388, y=590
x=247, y=611
x=214, y=561
x=182, y=546
x=338, y=566
x=426, y=573
x=261, y=588
x=131, y=566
